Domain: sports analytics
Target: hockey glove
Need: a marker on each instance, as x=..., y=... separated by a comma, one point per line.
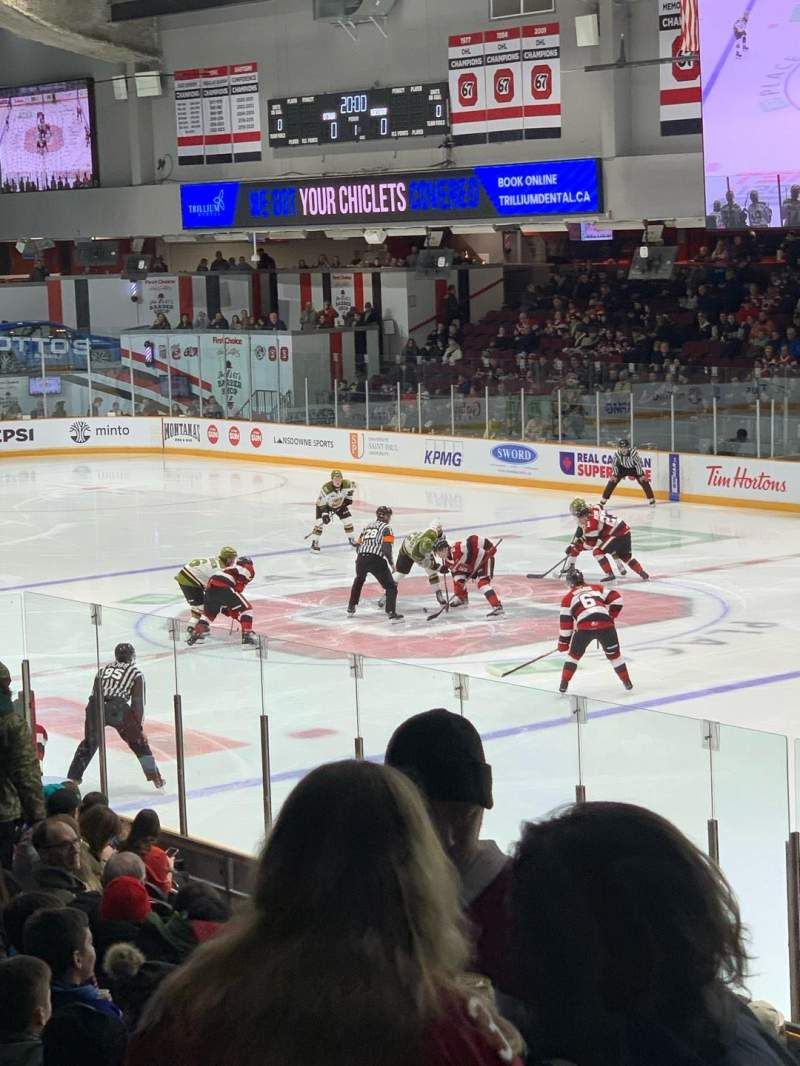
x=573, y=550
x=563, y=645
x=326, y=518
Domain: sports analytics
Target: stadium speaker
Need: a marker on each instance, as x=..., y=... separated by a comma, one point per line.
x=587, y=31
x=148, y=83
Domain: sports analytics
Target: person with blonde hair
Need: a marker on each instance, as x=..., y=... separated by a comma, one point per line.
x=350, y=952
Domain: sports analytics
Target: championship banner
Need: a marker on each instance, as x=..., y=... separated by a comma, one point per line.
x=467, y=88
x=217, y=131
x=680, y=92
x=541, y=80
x=189, y=117
x=503, y=76
x=245, y=113
x=343, y=295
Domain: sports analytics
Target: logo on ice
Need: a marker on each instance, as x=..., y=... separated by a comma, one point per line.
x=444, y=453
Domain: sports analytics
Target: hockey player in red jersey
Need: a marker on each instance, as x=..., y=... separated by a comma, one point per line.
x=603, y=534
x=588, y=612
x=472, y=560
x=224, y=594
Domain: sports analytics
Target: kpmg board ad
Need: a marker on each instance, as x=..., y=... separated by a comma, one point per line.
x=514, y=190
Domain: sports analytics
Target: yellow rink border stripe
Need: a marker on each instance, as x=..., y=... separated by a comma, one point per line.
x=398, y=471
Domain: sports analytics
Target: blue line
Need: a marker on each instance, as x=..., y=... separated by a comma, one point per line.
x=715, y=73
x=496, y=734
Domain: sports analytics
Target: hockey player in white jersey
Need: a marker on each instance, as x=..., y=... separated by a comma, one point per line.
x=334, y=498
x=193, y=577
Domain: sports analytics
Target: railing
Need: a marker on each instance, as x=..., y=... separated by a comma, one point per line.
x=233, y=729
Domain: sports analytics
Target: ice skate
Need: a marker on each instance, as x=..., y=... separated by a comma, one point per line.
x=628, y=685
x=157, y=780
x=195, y=638
x=457, y=601
x=609, y=577
x=382, y=602
x=562, y=687
x=315, y=546
x=621, y=569
x=395, y=617
x=351, y=611
x=496, y=612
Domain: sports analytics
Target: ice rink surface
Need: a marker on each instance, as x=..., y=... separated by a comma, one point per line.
x=714, y=636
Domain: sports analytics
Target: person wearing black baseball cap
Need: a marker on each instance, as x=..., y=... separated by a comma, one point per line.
x=443, y=755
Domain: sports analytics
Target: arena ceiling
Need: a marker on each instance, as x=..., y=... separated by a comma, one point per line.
x=82, y=26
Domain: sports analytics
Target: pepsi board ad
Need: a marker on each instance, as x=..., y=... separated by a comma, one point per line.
x=509, y=191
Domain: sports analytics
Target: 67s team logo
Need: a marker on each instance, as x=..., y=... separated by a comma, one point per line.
x=468, y=90
x=541, y=82
x=503, y=85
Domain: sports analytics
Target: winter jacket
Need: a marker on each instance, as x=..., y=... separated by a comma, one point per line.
x=19, y=1049
x=174, y=939
x=484, y=890
x=20, y=775
x=87, y=995
x=57, y=880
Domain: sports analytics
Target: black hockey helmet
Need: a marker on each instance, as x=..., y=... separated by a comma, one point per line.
x=574, y=577
x=624, y=444
x=124, y=653
x=383, y=513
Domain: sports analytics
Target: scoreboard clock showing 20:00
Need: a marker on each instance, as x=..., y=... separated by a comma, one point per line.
x=359, y=115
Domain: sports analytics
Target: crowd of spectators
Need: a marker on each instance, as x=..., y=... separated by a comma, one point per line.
x=382, y=929
x=378, y=260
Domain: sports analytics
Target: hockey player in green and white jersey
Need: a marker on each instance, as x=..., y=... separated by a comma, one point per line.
x=193, y=577
x=426, y=549
x=334, y=498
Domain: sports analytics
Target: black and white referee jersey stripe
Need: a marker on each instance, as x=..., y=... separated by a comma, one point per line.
x=632, y=462
x=117, y=680
x=375, y=539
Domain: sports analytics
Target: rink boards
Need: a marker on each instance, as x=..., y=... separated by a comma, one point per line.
x=728, y=480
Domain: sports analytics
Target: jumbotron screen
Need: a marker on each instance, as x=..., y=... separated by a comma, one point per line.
x=751, y=112
x=47, y=137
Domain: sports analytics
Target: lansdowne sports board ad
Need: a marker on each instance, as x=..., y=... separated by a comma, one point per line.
x=750, y=62
x=47, y=137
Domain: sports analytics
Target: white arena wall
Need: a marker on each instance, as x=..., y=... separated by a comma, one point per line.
x=706, y=479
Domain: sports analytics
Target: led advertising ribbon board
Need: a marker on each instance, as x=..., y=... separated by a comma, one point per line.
x=509, y=191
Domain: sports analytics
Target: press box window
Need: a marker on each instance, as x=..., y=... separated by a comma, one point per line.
x=507, y=9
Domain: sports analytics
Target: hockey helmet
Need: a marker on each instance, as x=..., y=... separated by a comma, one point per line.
x=335, y=474
x=227, y=555
x=383, y=513
x=624, y=444
x=579, y=507
x=440, y=546
x=574, y=578
x=124, y=653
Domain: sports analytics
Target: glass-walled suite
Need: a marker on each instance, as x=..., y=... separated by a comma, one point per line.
x=232, y=730
x=286, y=378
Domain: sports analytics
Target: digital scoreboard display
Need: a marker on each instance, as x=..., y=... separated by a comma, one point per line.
x=361, y=115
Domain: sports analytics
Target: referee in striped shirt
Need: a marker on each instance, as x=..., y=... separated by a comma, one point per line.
x=374, y=548
x=119, y=687
x=627, y=463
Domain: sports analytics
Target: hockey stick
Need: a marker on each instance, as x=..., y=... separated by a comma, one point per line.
x=488, y=555
x=552, y=568
x=530, y=662
x=445, y=606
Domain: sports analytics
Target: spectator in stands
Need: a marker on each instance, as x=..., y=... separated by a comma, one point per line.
x=371, y=316
x=443, y=755
x=242, y=266
x=132, y=980
x=219, y=321
x=16, y=913
x=25, y=1009
x=39, y=271
x=412, y=257
x=20, y=773
x=99, y=827
x=201, y=322
x=308, y=317
x=185, y=322
x=627, y=943
x=158, y=266
x=265, y=261
x=236, y=322
x=354, y=889
x=202, y=266
x=274, y=321
x=326, y=319
x=503, y=341
x=452, y=353
x=200, y=913
x=123, y=909
x=449, y=307
x=58, y=847
x=161, y=321
x=86, y=1026
x=145, y=830
x=232, y=262
x=220, y=262
x=410, y=354
x=124, y=864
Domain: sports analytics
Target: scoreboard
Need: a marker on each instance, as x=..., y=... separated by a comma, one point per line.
x=360, y=115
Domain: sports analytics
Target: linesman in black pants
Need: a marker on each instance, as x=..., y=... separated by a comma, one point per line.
x=121, y=685
x=374, y=548
x=627, y=463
